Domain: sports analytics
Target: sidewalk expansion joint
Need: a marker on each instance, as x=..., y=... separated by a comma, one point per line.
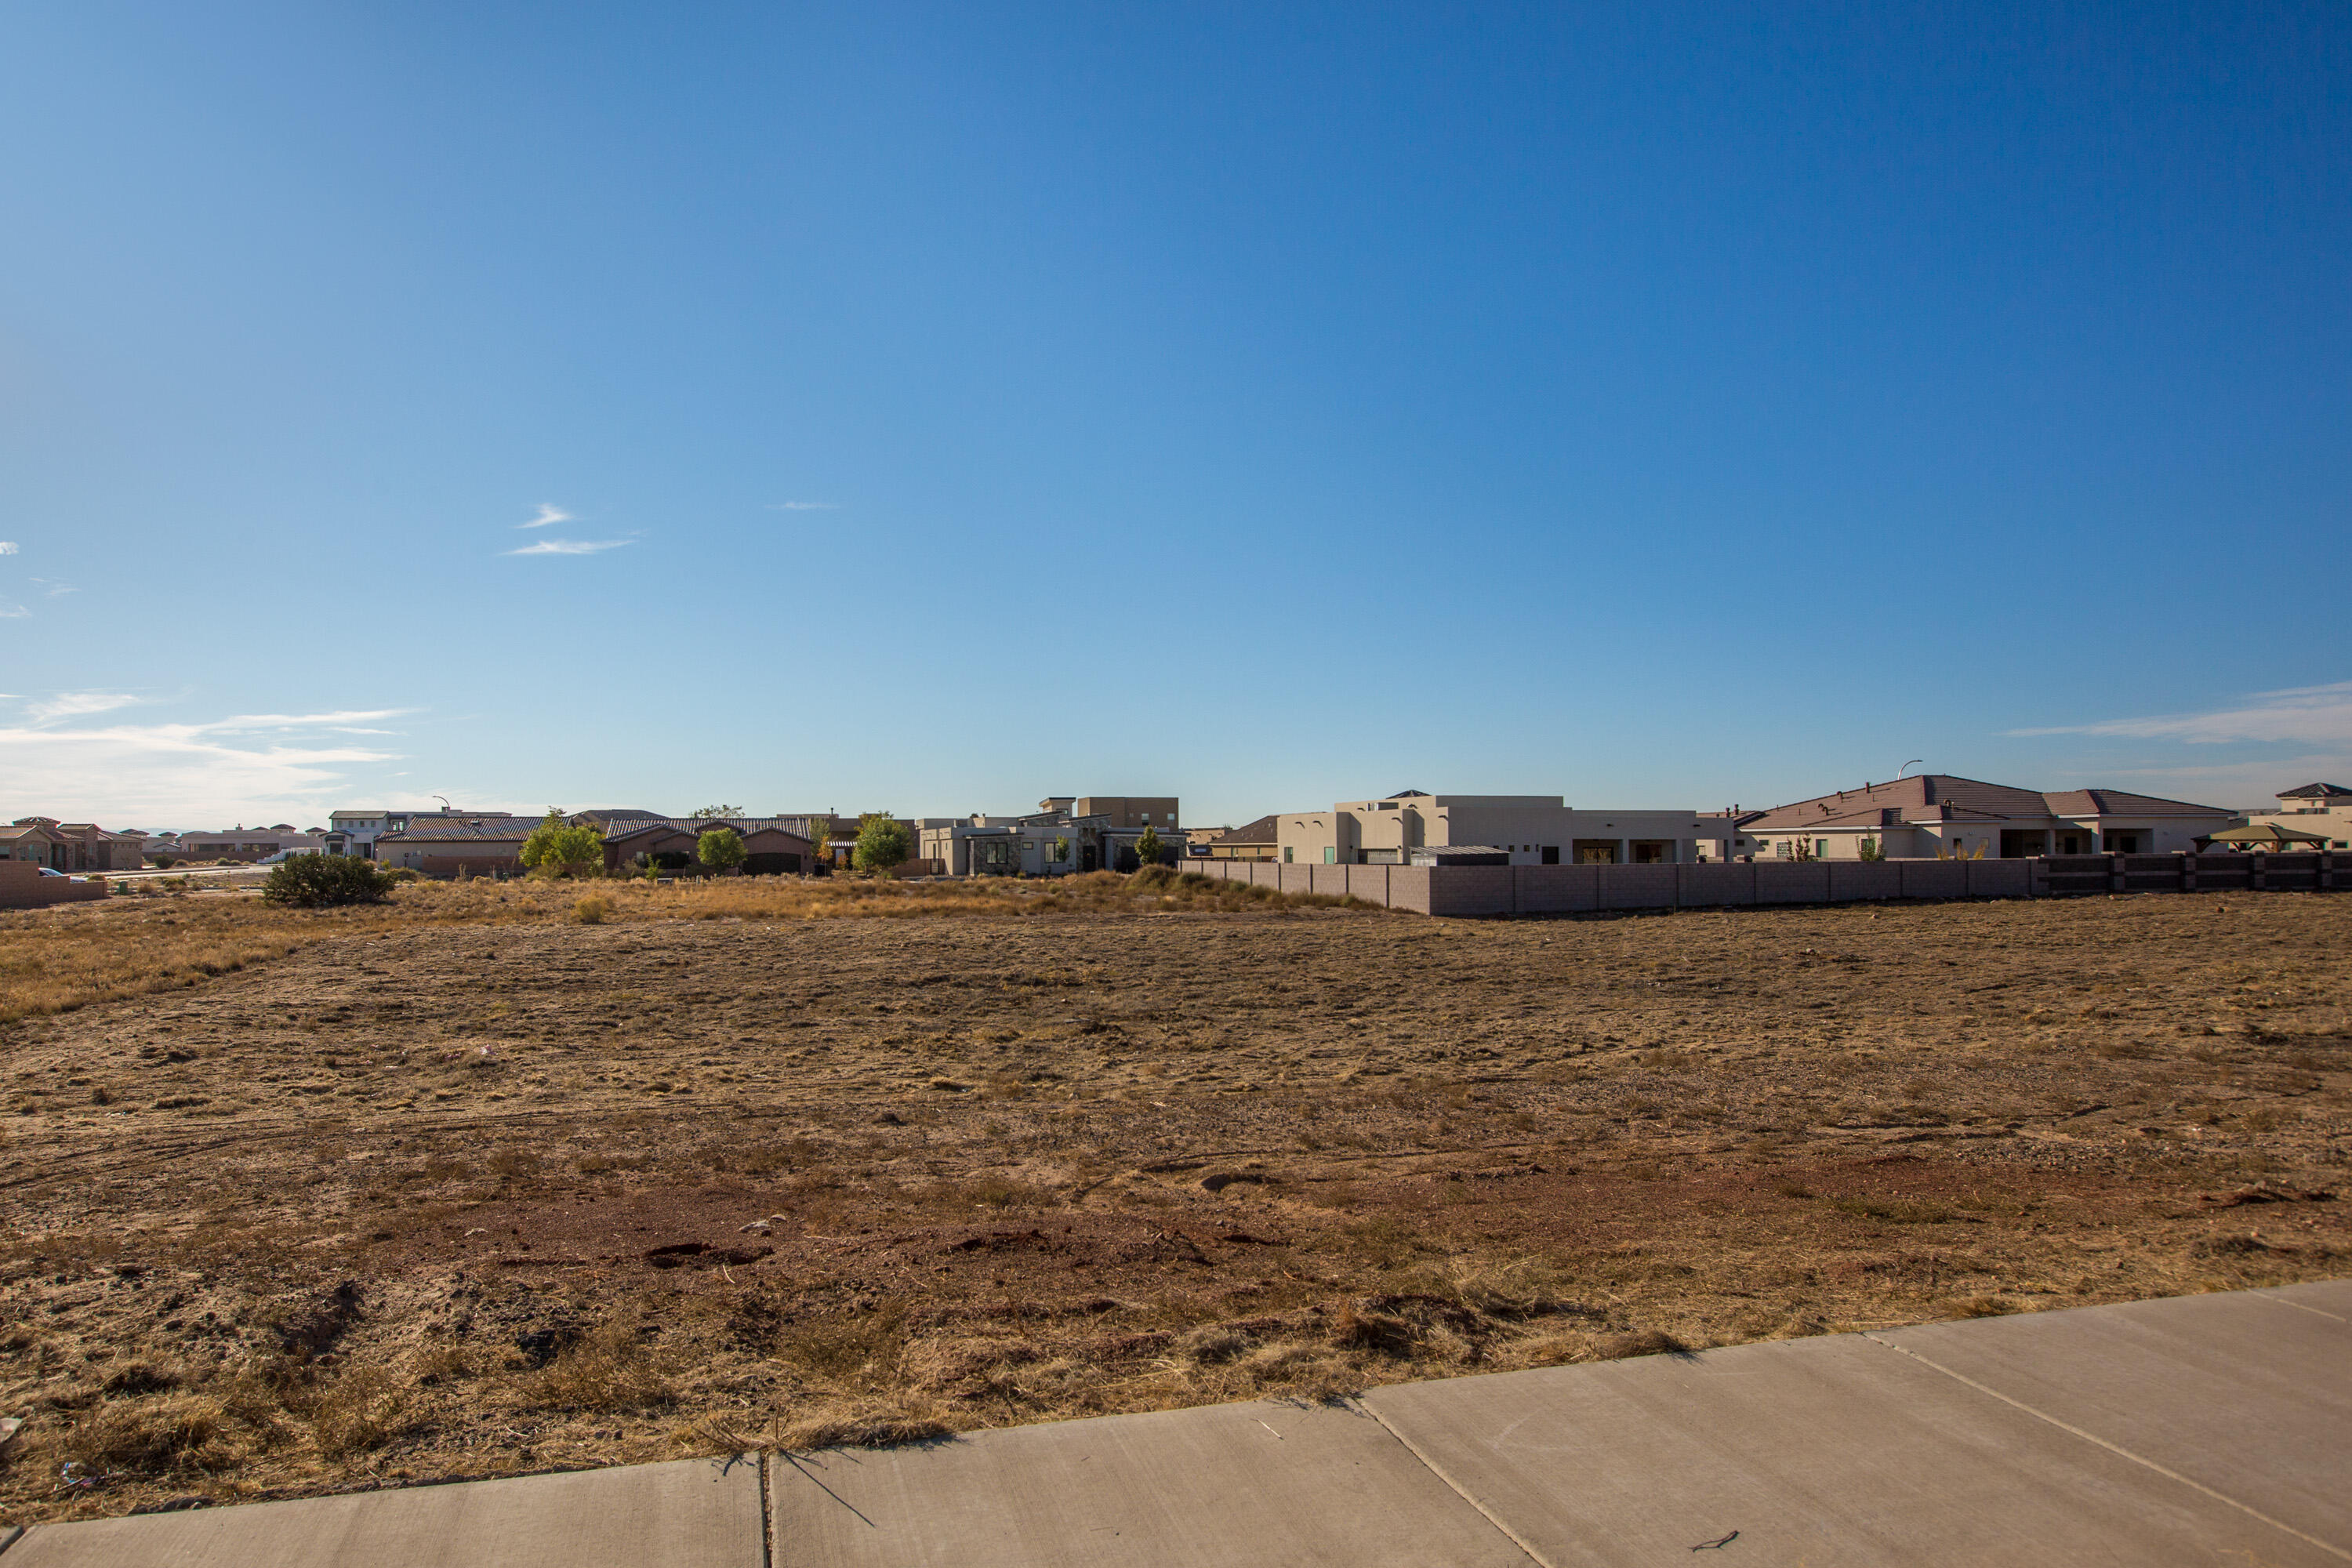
x=766, y=1517
x=2117, y=1449
x=1521, y=1541
x=2314, y=1311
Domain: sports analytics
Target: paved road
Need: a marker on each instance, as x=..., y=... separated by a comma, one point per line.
x=2203, y=1429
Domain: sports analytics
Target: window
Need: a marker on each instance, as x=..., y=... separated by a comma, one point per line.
x=1147, y=817
x=1285, y=854
x=1330, y=855
x=1820, y=848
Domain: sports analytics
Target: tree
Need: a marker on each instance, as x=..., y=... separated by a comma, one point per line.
x=704, y=812
x=1062, y=850
x=327, y=881
x=1871, y=850
x=719, y=848
x=818, y=831
x=561, y=850
x=1148, y=848
x=881, y=842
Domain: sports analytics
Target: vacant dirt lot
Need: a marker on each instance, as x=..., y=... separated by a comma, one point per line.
x=466, y=1189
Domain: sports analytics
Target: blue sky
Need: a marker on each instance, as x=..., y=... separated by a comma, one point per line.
x=1269, y=404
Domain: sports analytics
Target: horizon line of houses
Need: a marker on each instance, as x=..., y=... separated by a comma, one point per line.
x=1921, y=816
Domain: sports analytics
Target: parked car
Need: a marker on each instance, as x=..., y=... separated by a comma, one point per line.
x=283, y=855
x=53, y=871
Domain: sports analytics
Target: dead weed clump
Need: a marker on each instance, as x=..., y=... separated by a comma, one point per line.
x=362, y=1409
x=160, y=1435
x=604, y=1372
x=847, y=1346
x=869, y=1423
x=987, y=1192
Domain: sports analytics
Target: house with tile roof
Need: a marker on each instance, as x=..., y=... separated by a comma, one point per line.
x=482, y=846
x=34, y=839
x=771, y=846
x=1258, y=840
x=2323, y=808
x=1932, y=817
x=354, y=832
x=72, y=845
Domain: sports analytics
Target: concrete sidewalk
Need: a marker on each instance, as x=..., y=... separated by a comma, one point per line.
x=2206, y=1429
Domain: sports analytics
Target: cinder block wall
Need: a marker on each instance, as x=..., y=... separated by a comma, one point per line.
x=1477, y=891
x=22, y=887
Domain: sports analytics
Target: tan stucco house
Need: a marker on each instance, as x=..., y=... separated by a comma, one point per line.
x=1930, y=816
x=1258, y=840
x=1066, y=834
x=1530, y=829
x=2323, y=808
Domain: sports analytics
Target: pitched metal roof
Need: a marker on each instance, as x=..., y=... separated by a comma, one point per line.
x=1261, y=831
x=745, y=825
x=509, y=830
x=2314, y=792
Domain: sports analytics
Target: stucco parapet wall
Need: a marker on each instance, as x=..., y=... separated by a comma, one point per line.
x=1485, y=891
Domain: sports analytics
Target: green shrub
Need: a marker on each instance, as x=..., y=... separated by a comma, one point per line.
x=721, y=849
x=327, y=881
x=560, y=849
x=882, y=843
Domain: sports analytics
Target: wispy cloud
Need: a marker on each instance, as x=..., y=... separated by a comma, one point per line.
x=12, y=612
x=252, y=766
x=53, y=588
x=547, y=515
x=2306, y=714
x=806, y=506
x=6, y=548
x=246, y=723
x=76, y=704
x=570, y=546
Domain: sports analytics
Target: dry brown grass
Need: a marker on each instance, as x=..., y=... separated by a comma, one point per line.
x=605, y=1372
x=53, y=961
x=463, y=1187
